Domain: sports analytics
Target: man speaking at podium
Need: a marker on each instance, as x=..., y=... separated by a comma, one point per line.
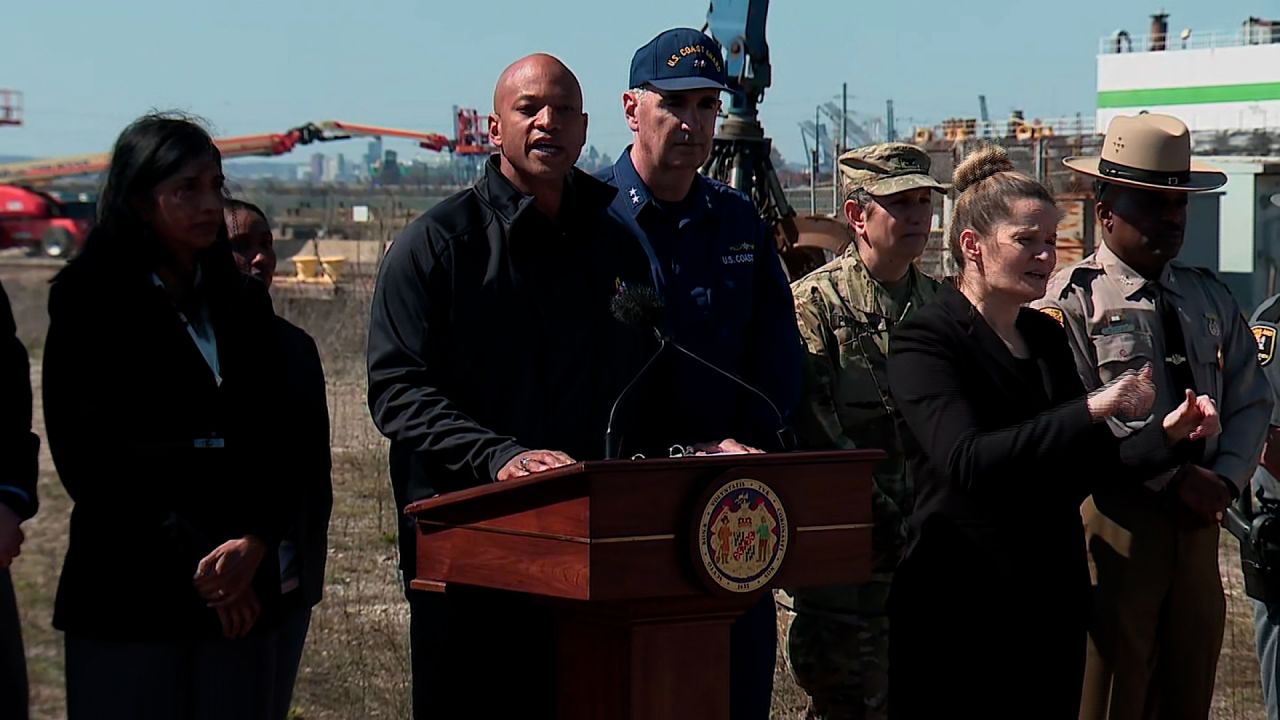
x=487, y=362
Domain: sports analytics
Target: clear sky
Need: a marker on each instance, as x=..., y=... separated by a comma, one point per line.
x=87, y=67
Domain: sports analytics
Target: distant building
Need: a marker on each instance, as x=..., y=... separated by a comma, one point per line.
x=389, y=173
x=373, y=155
x=317, y=167
x=330, y=174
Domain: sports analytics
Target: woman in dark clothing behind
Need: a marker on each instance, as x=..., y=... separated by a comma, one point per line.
x=989, y=606
x=152, y=401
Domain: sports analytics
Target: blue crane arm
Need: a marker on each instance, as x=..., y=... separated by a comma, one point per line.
x=738, y=25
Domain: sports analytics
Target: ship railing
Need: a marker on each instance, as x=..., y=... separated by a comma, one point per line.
x=1121, y=42
x=1020, y=129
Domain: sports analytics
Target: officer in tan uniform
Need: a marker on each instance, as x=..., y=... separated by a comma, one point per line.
x=1153, y=542
x=837, y=642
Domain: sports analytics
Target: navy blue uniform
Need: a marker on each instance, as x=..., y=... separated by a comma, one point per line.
x=726, y=299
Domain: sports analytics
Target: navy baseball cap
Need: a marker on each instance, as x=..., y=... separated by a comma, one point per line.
x=680, y=59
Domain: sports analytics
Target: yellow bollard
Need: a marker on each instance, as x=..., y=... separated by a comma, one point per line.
x=306, y=268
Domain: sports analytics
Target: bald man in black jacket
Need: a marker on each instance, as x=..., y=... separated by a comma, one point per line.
x=490, y=358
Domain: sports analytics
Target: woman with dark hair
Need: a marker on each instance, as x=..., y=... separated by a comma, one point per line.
x=153, y=374
x=988, y=609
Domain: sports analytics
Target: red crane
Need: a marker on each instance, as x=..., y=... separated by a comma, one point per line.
x=31, y=218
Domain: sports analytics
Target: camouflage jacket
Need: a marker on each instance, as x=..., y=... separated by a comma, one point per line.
x=845, y=322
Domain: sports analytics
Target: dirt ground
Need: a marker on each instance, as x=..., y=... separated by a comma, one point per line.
x=356, y=663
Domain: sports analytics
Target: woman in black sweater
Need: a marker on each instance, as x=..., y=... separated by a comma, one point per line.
x=988, y=609
x=154, y=368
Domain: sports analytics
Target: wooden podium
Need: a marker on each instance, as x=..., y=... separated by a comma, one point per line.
x=648, y=562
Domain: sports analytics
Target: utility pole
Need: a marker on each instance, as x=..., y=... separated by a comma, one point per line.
x=844, y=113
x=840, y=149
x=835, y=178
x=813, y=172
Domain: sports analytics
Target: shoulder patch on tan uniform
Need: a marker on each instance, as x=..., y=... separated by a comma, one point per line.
x=1054, y=313
x=1265, y=335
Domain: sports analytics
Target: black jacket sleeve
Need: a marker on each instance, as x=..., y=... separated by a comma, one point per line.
x=314, y=436
x=276, y=484
x=18, y=445
x=308, y=431
x=408, y=374
x=926, y=379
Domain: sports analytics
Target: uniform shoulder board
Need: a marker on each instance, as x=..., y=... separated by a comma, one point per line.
x=724, y=192
x=1075, y=272
x=1209, y=273
x=1268, y=312
x=821, y=276
x=1073, y=275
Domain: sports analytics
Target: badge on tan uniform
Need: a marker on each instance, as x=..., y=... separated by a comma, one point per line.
x=1266, y=337
x=1054, y=313
x=1118, y=325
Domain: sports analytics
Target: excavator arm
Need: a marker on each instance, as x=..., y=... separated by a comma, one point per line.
x=264, y=145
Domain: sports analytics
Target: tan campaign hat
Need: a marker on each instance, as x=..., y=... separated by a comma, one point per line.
x=1149, y=151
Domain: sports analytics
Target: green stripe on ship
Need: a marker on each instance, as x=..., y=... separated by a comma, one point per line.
x=1253, y=92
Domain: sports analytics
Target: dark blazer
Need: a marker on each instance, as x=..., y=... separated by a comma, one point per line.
x=306, y=442
x=990, y=604
x=131, y=409
x=18, y=445
x=1007, y=459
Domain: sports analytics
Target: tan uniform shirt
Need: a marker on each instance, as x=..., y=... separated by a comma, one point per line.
x=1109, y=312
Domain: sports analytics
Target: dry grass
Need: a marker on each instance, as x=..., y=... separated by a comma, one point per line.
x=356, y=663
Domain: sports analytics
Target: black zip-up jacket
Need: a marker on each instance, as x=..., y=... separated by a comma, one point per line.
x=491, y=334
x=163, y=464
x=18, y=445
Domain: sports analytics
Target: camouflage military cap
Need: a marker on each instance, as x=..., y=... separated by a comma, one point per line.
x=886, y=169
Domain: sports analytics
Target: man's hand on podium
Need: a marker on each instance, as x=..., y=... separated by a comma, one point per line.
x=533, y=461
x=728, y=446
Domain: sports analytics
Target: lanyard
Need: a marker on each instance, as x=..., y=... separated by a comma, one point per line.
x=206, y=342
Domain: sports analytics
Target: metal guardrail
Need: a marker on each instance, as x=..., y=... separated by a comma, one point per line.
x=1122, y=42
x=1019, y=129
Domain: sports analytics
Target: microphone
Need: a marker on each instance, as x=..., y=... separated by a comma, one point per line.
x=635, y=307
x=639, y=307
x=642, y=307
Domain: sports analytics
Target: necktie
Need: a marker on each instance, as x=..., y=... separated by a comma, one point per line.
x=1177, y=364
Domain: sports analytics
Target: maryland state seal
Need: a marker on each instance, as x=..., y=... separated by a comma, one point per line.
x=743, y=535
